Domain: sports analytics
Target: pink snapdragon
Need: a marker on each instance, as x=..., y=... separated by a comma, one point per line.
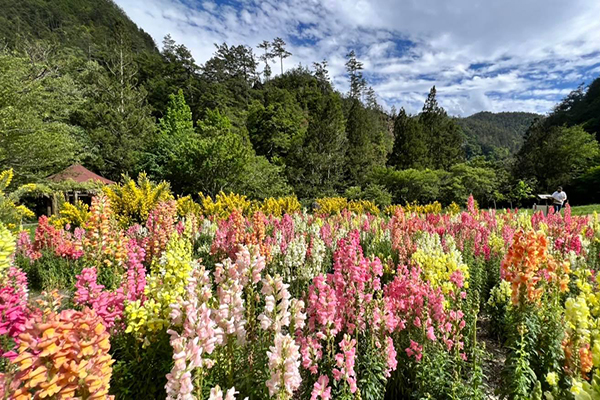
x=277, y=302
x=392, y=362
x=321, y=389
x=344, y=370
x=230, y=315
x=13, y=306
x=199, y=336
x=217, y=394
x=136, y=272
x=108, y=305
x=284, y=365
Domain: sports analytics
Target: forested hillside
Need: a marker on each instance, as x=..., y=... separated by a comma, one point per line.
x=82, y=83
x=87, y=25
x=495, y=134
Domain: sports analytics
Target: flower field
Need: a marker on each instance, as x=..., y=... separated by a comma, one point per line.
x=231, y=299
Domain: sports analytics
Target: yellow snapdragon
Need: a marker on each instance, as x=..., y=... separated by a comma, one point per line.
x=165, y=284
x=438, y=265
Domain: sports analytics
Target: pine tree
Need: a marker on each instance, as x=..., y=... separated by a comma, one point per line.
x=442, y=134
x=117, y=117
x=357, y=81
x=366, y=142
x=266, y=58
x=410, y=145
x=280, y=51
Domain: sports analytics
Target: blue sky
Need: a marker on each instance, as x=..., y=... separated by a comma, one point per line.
x=494, y=55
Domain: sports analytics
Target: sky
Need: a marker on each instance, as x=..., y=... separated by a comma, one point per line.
x=482, y=55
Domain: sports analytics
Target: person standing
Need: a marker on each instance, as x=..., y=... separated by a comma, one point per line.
x=558, y=199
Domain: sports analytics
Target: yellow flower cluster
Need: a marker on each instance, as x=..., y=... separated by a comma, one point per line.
x=77, y=215
x=12, y=214
x=500, y=295
x=331, y=205
x=437, y=265
x=335, y=205
x=165, y=284
x=7, y=248
x=281, y=205
x=414, y=207
x=132, y=201
x=453, y=208
x=186, y=206
x=224, y=204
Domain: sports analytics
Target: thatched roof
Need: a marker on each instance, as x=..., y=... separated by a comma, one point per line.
x=79, y=174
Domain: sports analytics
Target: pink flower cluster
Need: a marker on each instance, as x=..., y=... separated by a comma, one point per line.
x=344, y=363
x=136, y=272
x=284, y=366
x=198, y=338
x=410, y=301
x=61, y=242
x=347, y=301
x=108, y=305
x=13, y=306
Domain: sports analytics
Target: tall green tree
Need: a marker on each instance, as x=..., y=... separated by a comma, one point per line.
x=175, y=129
x=117, y=118
x=410, y=144
x=266, y=57
x=442, y=133
x=354, y=70
x=277, y=127
x=366, y=135
x=280, y=51
x=37, y=98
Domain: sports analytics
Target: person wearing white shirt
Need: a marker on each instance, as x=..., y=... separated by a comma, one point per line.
x=558, y=199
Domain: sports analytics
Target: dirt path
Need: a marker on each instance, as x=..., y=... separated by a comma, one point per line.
x=494, y=360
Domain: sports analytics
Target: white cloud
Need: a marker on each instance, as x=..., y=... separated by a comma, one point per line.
x=530, y=52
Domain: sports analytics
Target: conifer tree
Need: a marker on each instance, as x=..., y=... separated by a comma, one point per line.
x=280, y=51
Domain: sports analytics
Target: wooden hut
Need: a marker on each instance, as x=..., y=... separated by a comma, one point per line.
x=78, y=174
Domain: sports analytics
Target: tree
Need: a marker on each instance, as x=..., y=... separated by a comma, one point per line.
x=371, y=98
x=354, y=70
x=410, y=145
x=278, y=127
x=442, y=134
x=280, y=51
x=321, y=72
x=37, y=100
x=366, y=134
x=318, y=167
x=556, y=155
x=116, y=116
x=232, y=71
x=177, y=70
x=266, y=57
x=174, y=130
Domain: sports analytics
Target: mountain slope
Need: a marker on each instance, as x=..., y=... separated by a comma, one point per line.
x=86, y=24
x=580, y=107
x=493, y=134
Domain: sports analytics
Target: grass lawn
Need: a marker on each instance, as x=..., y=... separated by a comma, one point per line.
x=575, y=210
x=31, y=229
x=584, y=210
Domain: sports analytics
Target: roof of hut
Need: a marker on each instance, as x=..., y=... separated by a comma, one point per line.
x=79, y=174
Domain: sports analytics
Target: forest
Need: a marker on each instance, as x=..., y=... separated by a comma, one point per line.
x=82, y=83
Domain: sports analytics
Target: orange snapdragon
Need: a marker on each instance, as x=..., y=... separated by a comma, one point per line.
x=63, y=356
x=527, y=265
